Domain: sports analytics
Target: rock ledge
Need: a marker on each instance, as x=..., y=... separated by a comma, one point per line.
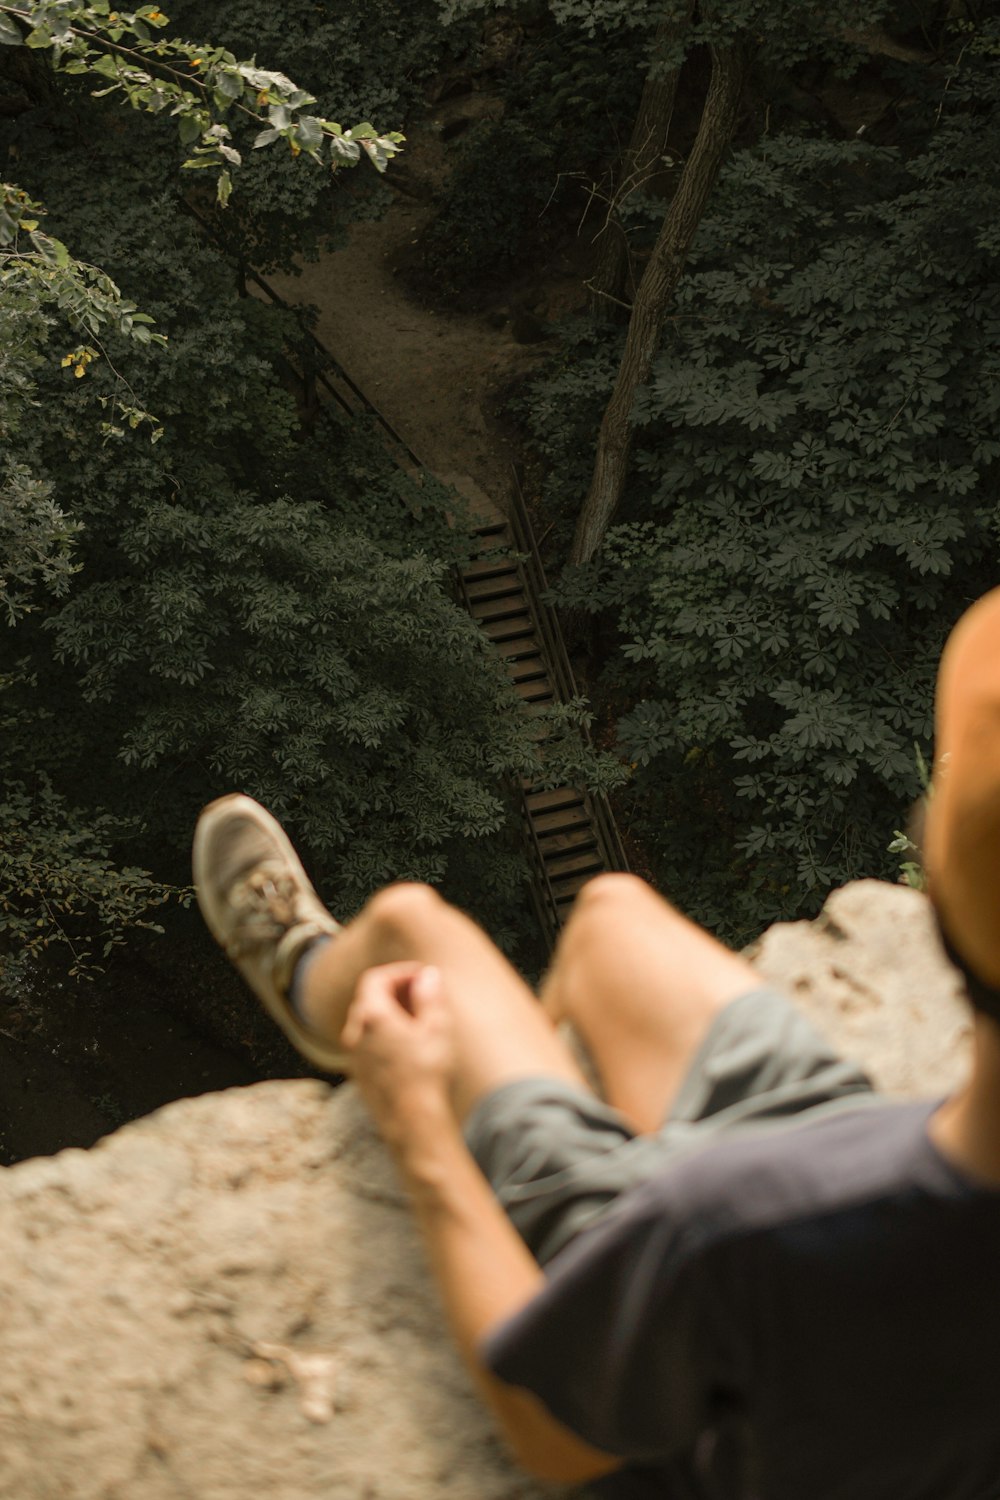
x=227, y=1299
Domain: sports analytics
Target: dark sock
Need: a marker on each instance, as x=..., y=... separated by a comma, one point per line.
x=303, y=964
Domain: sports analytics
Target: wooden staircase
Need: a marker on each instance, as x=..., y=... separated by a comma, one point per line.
x=570, y=835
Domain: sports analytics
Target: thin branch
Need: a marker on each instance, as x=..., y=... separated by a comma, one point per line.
x=948, y=83
x=185, y=81
x=608, y=297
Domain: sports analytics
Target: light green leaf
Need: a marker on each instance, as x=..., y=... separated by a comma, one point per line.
x=265, y=138
x=229, y=84
x=347, y=150
x=310, y=132
x=10, y=34
x=56, y=252
x=224, y=187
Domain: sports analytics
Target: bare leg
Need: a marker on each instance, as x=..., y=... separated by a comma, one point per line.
x=501, y=1033
x=641, y=984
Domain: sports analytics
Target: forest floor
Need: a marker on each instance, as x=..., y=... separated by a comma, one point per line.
x=437, y=377
x=432, y=375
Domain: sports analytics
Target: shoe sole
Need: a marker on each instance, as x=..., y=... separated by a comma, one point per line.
x=323, y=1054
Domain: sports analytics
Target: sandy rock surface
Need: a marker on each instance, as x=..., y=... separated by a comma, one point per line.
x=871, y=974
x=226, y=1299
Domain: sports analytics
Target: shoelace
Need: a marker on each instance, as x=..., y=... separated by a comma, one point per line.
x=266, y=907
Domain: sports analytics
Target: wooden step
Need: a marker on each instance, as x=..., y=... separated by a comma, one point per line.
x=487, y=568
x=587, y=863
x=565, y=901
x=494, y=553
x=566, y=841
x=514, y=628
x=517, y=649
x=565, y=892
x=535, y=692
x=527, y=671
x=501, y=586
x=551, y=800
x=511, y=608
x=575, y=816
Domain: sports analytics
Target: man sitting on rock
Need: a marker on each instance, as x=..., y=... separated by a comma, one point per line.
x=739, y=1272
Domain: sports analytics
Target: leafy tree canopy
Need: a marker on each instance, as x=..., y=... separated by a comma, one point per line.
x=144, y=67
x=814, y=503
x=247, y=602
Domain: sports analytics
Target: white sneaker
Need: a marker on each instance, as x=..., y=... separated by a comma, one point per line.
x=261, y=909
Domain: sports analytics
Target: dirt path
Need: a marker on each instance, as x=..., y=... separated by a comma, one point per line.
x=433, y=375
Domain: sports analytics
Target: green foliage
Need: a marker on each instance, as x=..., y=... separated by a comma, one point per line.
x=36, y=540
x=200, y=86
x=490, y=223
x=814, y=503
x=366, y=63
x=369, y=63
x=258, y=605
x=907, y=840
x=787, y=31
x=569, y=105
x=41, y=286
x=59, y=886
x=521, y=182
x=562, y=412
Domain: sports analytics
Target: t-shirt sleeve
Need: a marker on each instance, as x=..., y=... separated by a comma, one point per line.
x=625, y=1344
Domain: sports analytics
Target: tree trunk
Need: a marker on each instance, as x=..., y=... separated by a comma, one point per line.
x=610, y=282
x=663, y=272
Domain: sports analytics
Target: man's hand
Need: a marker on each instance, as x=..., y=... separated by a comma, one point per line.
x=398, y=1033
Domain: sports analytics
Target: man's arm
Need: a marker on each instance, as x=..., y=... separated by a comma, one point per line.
x=484, y=1271
x=485, y=1274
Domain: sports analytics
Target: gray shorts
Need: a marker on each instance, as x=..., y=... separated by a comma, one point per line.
x=556, y=1156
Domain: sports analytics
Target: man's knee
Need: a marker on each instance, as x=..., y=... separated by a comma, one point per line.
x=601, y=909
x=404, y=908
x=611, y=890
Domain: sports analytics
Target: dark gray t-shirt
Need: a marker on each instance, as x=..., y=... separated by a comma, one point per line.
x=808, y=1313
